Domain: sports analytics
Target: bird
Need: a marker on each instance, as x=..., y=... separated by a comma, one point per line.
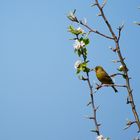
x=103, y=77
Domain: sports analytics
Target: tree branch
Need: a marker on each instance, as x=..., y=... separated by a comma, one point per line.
x=108, y=85
x=125, y=71
x=95, y=31
x=92, y=102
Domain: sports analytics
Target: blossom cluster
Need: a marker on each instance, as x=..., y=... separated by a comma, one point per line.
x=100, y=137
x=78, y=44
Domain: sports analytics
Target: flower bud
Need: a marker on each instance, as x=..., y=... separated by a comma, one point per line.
x=77, y=64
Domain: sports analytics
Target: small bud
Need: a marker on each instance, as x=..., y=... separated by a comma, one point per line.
x=121, y=68
x=85, y=21
x=72, y=17
x=77, y=64
x=115, y=61
x=94, y=4
x=80, y=30
x=104, y=3
x=137, y=23
x=99, y=14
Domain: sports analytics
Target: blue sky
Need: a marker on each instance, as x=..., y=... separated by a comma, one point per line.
x=40, y=96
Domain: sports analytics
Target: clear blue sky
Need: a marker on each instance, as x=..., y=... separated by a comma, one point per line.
x=40, y=96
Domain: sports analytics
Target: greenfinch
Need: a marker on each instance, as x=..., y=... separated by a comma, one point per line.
x=103, y=77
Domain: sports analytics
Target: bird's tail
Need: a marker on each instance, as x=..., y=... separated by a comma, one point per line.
x=114, y=89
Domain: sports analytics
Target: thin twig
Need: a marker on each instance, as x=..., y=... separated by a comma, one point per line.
x=120, y=29
x=95, y=31
x=129, y=123
x=113, y=75
x=109, y=85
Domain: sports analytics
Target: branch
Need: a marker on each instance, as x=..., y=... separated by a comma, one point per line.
x=92, y=102
x=129, y=123
x=93, y=107
x=105, y=19
x=125, y=71
x=95, y=31
x=120, y=29
x=108, y=85
x=71, y=16
x=113, y=75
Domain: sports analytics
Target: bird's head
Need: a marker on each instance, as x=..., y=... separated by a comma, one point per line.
x=98, y=68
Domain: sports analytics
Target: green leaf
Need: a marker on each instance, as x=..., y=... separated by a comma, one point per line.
x=83, y=67
x=74, y=31
x=124, y=76
x=78, y=71
x=79, y=52
x=87, y=70
x=84, y=64
x=86, y=41
x=85, y=51
x=71, y=29
x=81, y=39
x=75, y=50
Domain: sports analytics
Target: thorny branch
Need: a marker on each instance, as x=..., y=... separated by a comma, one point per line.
x=128, y=124
x=92, y=102
x=97, y=130
x=125, y=71
x=107, y=85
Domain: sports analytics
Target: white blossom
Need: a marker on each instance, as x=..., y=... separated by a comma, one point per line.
x=101, y=137
x=78, y=44
x=80, y=30
x=77, y=64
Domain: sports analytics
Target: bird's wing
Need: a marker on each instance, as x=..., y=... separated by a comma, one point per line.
x=107, y=79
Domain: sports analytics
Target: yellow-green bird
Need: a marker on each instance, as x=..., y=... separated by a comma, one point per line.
x=103, y=77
